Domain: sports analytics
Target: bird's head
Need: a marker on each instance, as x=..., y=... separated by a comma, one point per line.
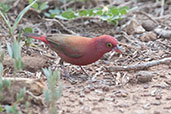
x=106, y=43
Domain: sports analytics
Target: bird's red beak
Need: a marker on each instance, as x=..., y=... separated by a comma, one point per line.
x=117, y=49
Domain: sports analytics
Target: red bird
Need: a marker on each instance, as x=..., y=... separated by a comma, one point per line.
x=78, y=50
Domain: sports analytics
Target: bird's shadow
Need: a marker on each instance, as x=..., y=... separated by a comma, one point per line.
x=76, y=78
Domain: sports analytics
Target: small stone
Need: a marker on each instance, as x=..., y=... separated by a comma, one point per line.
x=149, y=25
x=101, y=99
x=156, y=112
x=156, y=102
x=146, y=86
x=134, y=27
x=81, y=102
x=105, y=88
x=82, y=94
x=158, y=97
x=87, y=91
x=144, y=76
x=148, y=36
x=147, y=106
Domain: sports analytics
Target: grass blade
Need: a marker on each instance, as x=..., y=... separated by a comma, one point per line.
x=21, y=15
x=5, y=19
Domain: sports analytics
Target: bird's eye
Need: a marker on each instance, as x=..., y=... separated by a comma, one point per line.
x=109, y=45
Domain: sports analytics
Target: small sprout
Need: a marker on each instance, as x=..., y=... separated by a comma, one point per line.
x=14, y=51
x=12, y=109
x=28, y=41
x=39, y=6
x=1, y=109
x=69, y=15
x=52, y=94
x=105, y=9
x=4, y=7
x=20, y=95
x=110, y=14
x=17, y=20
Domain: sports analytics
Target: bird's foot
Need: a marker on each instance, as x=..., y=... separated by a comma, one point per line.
x=69, y=78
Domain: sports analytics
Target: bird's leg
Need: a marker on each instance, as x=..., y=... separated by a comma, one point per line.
x=61, y=62
x=84, y=71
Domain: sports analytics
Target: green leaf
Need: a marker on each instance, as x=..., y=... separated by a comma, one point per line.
x=28, y=30
x=1, y=109
x=1, y=73
x=90, y=12
x=43, y=6
x=46, y=95
x=69, y=14
x=83, y=13
x=6, y=20
x=2, y=54
x=54, y=11
x=99, y=12
x=11, y=109
x=60, y=17
x=123, y=10
x=114, y=10
x=7, y=83
x=47, y=72
x=4, y=7
x=18, y=19
x=9, y=50
x=59, y=92
x=19, y=64
x=20, y=95
x=16, y=49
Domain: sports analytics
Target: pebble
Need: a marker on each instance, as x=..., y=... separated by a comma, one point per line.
x=144, y=76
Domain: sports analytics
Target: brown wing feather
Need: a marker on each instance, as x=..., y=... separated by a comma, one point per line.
x=69, y=45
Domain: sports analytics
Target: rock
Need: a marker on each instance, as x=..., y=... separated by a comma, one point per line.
x=134, y=27
x=149, y=25
x=31, y=64
x=34, y=88
x=148, y=36
x=163, y=33
x=156, y=112
x=105, y=88
x=144, y=76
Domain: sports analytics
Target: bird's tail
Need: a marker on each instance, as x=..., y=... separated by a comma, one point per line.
x=36, y=36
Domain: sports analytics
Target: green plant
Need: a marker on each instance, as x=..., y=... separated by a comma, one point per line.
x=13, y=108
x=28, y=41
x=52, y=94
x=39, y=6
x=17, y=20
x=4, y=7
x=1, y=109
x=109, y=14
x=14, y=51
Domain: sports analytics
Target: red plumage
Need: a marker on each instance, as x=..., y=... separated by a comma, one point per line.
x=78, y=50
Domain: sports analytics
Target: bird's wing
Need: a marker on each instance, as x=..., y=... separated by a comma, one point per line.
x=69, y=45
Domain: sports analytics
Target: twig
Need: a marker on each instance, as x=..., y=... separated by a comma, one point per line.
x=140, y=66
x=163, y=33
x=62, y=25
x=128, y=46
x=67, y=4
x=129, y=38
x=16, y=3
x=145, y=14
x=83, y=18
x=162, y=7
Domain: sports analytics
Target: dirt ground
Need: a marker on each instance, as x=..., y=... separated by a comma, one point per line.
x=144, y=35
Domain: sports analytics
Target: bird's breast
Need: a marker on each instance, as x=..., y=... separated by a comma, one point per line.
x=89, y=57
